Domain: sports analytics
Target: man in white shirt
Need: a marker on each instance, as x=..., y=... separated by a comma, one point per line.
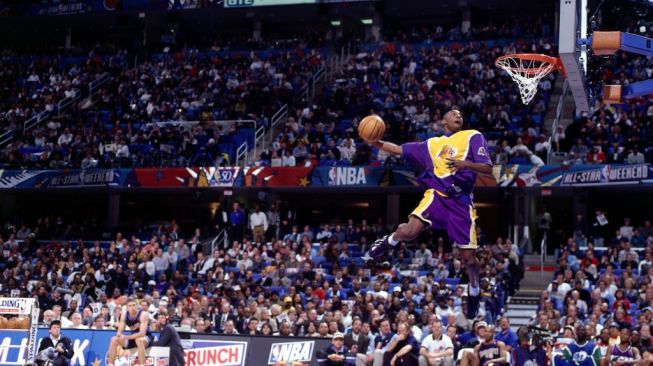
x=259, y=224
x=558, y=288
x=626, y=230
x=437, y=348
x=347, y=149
x=76, y=322
x=288, y=159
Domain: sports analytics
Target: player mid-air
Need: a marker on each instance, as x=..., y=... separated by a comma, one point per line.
x=449, y=166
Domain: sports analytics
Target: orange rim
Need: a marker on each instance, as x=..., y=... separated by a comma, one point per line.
x=553, y=63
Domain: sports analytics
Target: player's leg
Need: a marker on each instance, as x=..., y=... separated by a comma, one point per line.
x=461, y=229
x=113, y=348
x=469, y=359
x=404, y=232
x=416, y=224
x=141, y=344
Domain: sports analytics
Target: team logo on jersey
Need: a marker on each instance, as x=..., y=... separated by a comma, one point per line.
x=447, y=152
x=482, y=151
x=579, y=357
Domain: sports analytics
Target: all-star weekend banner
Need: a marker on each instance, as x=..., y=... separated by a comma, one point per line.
x=336, y=176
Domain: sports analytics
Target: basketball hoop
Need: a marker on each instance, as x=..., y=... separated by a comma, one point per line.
x=527, y=69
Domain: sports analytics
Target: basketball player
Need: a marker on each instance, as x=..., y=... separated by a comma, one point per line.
x=580, y=352
x=491, y=352
x=622, y=354
x=450, y=164
x=137, y=321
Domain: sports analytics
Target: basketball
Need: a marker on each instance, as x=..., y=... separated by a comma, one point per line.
x=3, y=322
x=371, y=128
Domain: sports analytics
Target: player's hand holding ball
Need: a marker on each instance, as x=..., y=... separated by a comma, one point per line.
x=371, y=129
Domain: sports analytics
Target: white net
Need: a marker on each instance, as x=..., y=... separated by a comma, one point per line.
x=527, y=73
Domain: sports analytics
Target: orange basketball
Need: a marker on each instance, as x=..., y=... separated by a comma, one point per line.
x=3, y=322
x=371, y=128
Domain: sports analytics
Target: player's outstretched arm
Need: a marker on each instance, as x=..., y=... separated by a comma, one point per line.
x=388, y=147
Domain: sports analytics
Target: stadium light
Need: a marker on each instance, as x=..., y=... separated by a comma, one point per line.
x=335, y=23
x=367, y=21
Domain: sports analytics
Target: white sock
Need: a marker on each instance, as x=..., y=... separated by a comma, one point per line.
x=392, y=241
x=474, y=291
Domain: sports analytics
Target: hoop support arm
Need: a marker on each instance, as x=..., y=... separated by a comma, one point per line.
x=620, y=93
x=607, y=43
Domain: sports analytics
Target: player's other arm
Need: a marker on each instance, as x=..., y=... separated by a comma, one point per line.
x=388, y=147
x=479, y=159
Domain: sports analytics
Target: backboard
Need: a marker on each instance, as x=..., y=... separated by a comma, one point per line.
x=572, y=27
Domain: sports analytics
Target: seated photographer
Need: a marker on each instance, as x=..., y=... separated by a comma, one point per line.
x=56, y=348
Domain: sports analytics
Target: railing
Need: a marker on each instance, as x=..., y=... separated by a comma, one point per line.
x=259, y=135
x=35, y=120
x=241, y=153
x=335, y=62
x=97, y=83
x=220, y=238
x=556, y=121
x=281, y=115
x=307, y=93
x=64, y=103
x=543, y=254
x=6, y=137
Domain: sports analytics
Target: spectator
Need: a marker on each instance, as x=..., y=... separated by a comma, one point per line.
x=259, y=224
x=237, y=222
x=437, y=348
x=358, y=343
x=337, y=352
x=403, y=349
x=635, y=157
x=56, y=348
x=507, y=335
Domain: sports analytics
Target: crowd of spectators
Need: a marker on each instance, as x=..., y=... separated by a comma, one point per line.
x=411, y=86
x=602, y=284
x=304, y=281
x=119, y=126
x=31, y=84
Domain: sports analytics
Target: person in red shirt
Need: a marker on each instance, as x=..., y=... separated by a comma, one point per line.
x=596, y=156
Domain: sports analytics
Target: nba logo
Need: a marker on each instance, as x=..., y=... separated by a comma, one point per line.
x=333, y=176
x=275, y=352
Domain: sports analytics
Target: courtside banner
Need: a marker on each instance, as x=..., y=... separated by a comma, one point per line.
x=91, y=346
x=271, y=351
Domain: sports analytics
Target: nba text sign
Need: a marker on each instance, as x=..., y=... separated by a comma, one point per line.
x=91, y=346
x=348, y=176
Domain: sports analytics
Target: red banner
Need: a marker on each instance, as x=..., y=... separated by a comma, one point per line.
x=162, y=178
x=278, y=177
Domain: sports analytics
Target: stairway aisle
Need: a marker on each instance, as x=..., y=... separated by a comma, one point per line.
x=521, y=309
